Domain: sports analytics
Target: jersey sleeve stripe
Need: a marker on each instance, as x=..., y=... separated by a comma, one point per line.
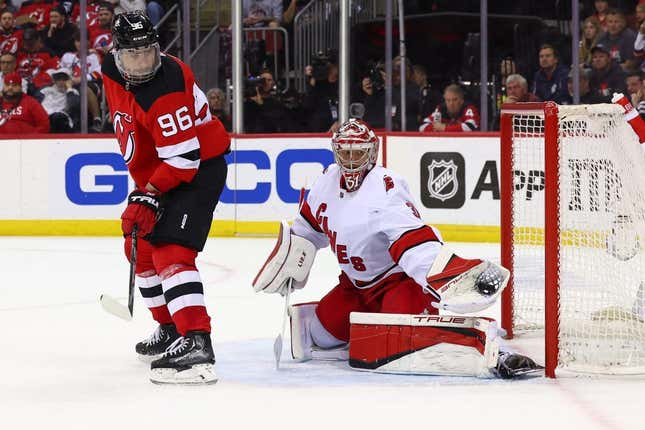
x=182, y=163
x=305, y=212
x=180, y=148
x=410, y=239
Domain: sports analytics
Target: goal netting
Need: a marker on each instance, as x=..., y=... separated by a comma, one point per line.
x=573, y=223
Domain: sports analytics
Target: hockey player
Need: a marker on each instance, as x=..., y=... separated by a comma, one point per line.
x=391, y=263
x=174, y=152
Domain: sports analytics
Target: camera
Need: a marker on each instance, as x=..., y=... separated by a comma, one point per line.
x=320, y=63
x=374, y=70
x=251, y=84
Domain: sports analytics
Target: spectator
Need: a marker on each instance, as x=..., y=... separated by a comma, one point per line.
x=601, y=7
x=62, y=102
x=321, y=96
x=35, y=12
x=72, y=61
x=607, y=77
x=591, y=32
x=638, y=100
x=153, y=9
x=217, y=106
x=21, y=113
x=263, y=112
x=90, y=15
x=550, y=82
x=100, y=34
x=517, y=90
x=640, y=14
x=59, y=37
x=375, y=98
x=8, y=65
x=507, y=67
x=452, y=115
x=10, y=38
x=428, y=96
x=7, y=5
x=35, y=59
x=639, y=46
x=262, y=13
x=619, y=40
x=587, y=97
x=634, y=86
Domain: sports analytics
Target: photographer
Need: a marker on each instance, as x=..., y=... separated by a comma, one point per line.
x=263, y=112
x=321, y=93
x=373, y=88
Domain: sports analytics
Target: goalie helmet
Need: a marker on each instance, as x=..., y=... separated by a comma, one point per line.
x=136, y=47
x=355, y=149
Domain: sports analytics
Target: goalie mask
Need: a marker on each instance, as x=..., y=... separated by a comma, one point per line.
x=136, y=47
x=355, y=149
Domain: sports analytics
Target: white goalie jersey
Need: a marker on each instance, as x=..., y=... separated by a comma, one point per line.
x=374, y=231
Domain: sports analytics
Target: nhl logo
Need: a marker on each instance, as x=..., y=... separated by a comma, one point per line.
x=442, y=180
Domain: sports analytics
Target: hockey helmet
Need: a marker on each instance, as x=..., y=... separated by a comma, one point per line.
x=355, y=149
x=136, y=47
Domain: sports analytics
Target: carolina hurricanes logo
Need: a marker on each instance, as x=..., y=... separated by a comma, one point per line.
x=124, y=134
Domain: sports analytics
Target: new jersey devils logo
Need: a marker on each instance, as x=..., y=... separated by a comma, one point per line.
x=442, y=180
x=124, y=131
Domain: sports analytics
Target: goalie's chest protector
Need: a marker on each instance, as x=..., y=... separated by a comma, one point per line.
x=351, y=222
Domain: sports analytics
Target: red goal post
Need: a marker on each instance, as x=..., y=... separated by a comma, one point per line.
x=572, y=219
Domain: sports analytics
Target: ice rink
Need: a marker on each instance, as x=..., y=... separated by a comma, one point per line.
x=69, y=365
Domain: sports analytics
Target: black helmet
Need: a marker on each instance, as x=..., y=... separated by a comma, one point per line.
x=136, y=48
x=133, y=30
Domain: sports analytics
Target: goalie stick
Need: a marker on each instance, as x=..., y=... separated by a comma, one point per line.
x=109, y=303
x=277, y=344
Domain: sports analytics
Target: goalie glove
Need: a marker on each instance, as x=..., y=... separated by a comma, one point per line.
x=292, y=257
x=465, y=286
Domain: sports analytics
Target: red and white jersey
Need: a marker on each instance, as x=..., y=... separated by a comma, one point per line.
x=37, y=12
x=164, y=127
x=375, y=231
x=10, y=42
x=466, y=120
x=100, y=38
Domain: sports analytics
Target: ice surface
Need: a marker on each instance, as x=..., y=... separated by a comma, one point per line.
x=69, y=365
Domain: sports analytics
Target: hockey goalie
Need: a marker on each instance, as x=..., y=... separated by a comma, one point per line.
x=396, y=274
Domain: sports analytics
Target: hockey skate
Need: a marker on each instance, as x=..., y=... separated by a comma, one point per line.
x=154, y=346
x=511, y=365
x=189, y=360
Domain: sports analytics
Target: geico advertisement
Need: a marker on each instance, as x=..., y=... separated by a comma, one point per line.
x=88, y=179
x=455, y=180
x=266, y=175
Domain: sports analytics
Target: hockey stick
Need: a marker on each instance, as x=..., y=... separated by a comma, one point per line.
x=109, y=303
x=277, y=344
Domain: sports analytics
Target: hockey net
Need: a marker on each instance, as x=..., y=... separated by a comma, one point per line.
x=573, y=223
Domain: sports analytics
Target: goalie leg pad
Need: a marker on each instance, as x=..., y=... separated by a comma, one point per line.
x=423, y=344
x=292, y=257
x=309, y=339
x=465, y=286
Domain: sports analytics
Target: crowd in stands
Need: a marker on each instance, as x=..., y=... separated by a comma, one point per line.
x=40, y=66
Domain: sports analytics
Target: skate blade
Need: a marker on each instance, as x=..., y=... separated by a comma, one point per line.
x=199, y=374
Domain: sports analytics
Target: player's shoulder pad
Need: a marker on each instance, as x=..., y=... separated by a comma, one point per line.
x=169, y=79
x=388, y=181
